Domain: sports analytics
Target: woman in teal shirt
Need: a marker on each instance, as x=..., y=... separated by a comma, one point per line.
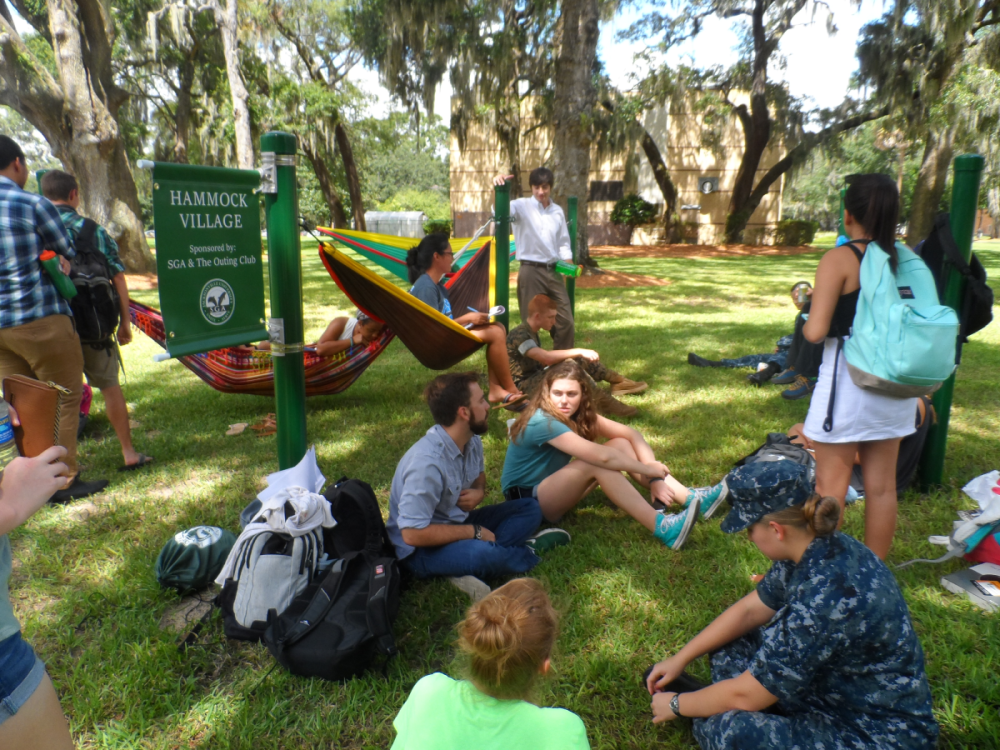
x=560, y=424
x=508, y=638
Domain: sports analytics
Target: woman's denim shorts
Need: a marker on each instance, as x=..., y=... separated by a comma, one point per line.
x=21, y=673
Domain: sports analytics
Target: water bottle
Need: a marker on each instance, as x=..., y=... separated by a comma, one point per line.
x=50, y=262
x=8, y=449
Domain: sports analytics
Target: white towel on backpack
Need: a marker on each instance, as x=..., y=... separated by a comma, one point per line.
x=312, y=511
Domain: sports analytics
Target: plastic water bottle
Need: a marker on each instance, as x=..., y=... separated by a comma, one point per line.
x=8, y=449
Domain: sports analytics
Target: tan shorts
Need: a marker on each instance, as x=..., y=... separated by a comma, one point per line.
x=100, y=366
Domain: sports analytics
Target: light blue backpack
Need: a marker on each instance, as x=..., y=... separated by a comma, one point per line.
x=903, y=340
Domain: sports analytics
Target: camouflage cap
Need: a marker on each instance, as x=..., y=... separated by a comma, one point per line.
x=762, y=487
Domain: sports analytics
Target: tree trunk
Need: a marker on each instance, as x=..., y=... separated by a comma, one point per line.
x=572, y=108
x=667, y=188
x=330, y=195
x=182, y=129
x=756, y=131
x=76, y=115
x=227, y=19
x=351, y=170
x=929, y=186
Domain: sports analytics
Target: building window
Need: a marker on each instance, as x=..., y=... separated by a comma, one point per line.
x=607, y=191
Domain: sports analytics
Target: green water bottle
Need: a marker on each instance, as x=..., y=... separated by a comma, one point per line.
x=50, y=262
x=8, y=448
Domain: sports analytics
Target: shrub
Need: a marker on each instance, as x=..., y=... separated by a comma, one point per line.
x=633, y=211
x=438, y=225
x=795, y=232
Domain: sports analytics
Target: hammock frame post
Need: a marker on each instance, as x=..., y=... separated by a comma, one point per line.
x=501, y=253
x=968, y=170
x=284, y=262
x=571, y=206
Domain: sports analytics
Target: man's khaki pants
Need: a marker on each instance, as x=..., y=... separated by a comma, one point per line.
x=532, y=280
x=49, y=349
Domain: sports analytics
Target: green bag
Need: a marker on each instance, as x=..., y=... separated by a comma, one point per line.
x=193, y=558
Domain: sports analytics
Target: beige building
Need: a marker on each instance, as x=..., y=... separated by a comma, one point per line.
x=704, y=178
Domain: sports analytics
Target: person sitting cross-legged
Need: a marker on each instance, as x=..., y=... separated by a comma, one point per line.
x=528, y=360
x=434, y=521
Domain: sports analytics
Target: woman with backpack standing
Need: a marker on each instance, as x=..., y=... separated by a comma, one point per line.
x=845, y=420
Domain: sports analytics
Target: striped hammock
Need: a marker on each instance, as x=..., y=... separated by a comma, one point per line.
x=237, y=370
x=389, y=251
x=435, y=340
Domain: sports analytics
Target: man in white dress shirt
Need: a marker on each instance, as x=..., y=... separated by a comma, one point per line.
x=541, y=239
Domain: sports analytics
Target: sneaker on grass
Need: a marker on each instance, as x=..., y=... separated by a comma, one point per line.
x=787, y=377
x=547, y=540
x=709, y=498
x=673, y=529
x=472, y=586
x=801, y=388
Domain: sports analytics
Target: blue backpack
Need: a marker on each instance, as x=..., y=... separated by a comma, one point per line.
x=903, y=340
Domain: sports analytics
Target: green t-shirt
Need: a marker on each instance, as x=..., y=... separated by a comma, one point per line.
x=530, y=458
x=8, y=623
x=444, y=714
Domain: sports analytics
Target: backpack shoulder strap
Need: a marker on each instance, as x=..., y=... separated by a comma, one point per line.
x=322, y=600
x=84, y=242
x=859, y=254
x=377, y=613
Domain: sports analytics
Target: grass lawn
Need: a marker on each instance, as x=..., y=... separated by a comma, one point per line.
x=85, y=591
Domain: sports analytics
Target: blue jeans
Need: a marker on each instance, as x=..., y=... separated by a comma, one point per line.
x=21, y=673
x=512, y=522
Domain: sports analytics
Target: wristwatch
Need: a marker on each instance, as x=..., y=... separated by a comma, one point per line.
x=477, y=531
x=675, y=705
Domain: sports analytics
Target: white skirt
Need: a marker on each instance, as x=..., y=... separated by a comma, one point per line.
x=858, y=415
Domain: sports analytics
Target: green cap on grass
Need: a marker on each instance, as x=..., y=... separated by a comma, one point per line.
x=192, y=559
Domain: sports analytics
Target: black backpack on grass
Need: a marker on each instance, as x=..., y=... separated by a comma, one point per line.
x=338, y=625
x=96, y=306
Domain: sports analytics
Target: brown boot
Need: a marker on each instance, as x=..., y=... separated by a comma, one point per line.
x=625, y=386
x=608, y=406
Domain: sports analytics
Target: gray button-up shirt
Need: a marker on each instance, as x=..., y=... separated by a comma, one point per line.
x=427, y=483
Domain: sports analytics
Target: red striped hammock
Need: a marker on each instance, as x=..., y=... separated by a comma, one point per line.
x=238, y=370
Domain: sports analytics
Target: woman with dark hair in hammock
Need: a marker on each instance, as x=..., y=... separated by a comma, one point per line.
x=427, y=264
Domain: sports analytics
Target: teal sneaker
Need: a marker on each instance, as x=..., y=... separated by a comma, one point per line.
x=673, y=529
x=547, y=540
x=709, y=498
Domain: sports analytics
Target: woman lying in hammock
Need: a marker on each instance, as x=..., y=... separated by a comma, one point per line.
x=427, y=264
x=342, y=334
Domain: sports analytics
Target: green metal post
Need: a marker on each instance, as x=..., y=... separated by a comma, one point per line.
x=284, y=261
x=841, y=229
x=501, y=195
x=964, y=201
x=571, y=205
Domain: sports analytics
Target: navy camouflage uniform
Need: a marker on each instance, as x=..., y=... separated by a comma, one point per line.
x=528, y=373
x=840, y=654
x=779, y=357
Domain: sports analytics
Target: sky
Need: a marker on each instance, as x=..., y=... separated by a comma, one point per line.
x=819, y=66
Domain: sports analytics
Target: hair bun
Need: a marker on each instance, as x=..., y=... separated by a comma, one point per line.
x=822, y=514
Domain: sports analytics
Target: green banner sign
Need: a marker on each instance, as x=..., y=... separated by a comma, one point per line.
x=208, y=256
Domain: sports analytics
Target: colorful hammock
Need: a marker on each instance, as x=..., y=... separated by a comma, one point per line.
x=235, y=370
x=436, y=340
x=389, y=251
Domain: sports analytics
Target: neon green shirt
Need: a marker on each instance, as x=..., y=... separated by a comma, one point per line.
x=442, y=714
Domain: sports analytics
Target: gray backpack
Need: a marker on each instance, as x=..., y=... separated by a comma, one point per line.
x=271, y=568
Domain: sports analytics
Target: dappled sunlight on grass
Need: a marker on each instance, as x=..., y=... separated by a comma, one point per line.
x=87, y=596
